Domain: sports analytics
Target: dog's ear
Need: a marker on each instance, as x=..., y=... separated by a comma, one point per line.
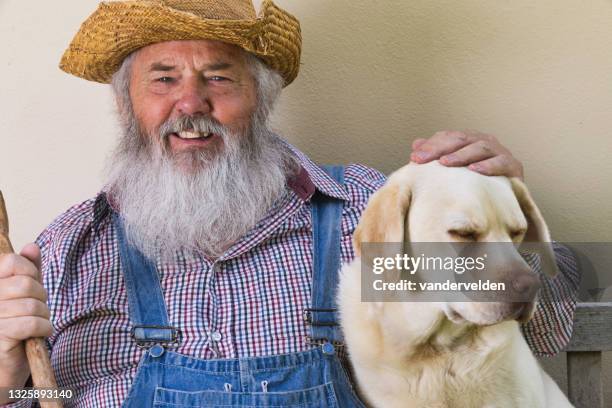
x=537, y=230
x=384, y=219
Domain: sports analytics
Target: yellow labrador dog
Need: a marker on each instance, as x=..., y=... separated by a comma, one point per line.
x=447, y=354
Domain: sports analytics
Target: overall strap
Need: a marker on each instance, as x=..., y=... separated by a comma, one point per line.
x=145, y=298
x=326, y=223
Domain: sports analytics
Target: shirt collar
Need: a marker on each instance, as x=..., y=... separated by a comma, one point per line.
x=101, y=210
x=310, y=173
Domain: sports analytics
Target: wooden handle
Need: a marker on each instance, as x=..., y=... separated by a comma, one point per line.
x=36, y=349
x=5, y=244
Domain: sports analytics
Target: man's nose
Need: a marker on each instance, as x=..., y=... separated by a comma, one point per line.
x=193, y=99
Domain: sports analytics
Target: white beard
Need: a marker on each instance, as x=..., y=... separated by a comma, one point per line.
x=167, y=210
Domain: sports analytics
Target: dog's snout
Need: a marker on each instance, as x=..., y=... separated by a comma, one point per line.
x=526, y=283
x=525, y=286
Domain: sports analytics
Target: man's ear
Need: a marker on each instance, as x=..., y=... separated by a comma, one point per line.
x=385, y=217
x=537, y=230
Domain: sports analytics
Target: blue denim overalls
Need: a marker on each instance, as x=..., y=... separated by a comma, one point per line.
x=314, y=378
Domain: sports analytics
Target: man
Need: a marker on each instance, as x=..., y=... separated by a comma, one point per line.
x=203, y=274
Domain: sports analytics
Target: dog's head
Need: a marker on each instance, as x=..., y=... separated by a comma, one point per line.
x=434, y=203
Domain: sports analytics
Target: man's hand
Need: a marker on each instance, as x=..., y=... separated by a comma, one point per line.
x=23, y=312
x=478, y=151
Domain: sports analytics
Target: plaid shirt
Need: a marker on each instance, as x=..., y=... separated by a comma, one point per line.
x=250, y=301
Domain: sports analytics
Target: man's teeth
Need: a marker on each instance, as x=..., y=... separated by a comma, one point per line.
x=193, y=135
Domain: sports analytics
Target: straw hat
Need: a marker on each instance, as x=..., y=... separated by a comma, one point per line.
x=118, y=28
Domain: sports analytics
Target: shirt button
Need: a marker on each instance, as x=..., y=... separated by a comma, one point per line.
x=216, y=336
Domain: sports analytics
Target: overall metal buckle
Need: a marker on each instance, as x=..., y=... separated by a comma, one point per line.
x=318, y=342
x=307, y=316
x=175, y=341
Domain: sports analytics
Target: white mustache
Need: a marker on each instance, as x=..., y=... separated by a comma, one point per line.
x=198, y=124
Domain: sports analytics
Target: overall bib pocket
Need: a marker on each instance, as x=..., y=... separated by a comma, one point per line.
x=322, y=396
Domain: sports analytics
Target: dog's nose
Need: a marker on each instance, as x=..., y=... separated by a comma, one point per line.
x=525, y=286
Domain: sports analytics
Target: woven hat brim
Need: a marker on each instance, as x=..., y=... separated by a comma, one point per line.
x=119, y=28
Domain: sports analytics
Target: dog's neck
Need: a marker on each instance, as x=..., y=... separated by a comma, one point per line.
x=431, y=335
x=447, y=337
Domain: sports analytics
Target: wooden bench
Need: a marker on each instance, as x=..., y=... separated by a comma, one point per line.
x=592, y=335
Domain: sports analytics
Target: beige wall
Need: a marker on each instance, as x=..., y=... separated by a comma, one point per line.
x=376, y=74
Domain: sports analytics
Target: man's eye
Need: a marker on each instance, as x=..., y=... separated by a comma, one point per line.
x=165, y=80
x=217, y=78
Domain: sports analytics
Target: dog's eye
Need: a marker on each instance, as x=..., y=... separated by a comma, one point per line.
x=517, y=233
x=466, y=235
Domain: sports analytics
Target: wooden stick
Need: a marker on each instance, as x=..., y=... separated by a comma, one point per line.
x=36, y=349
